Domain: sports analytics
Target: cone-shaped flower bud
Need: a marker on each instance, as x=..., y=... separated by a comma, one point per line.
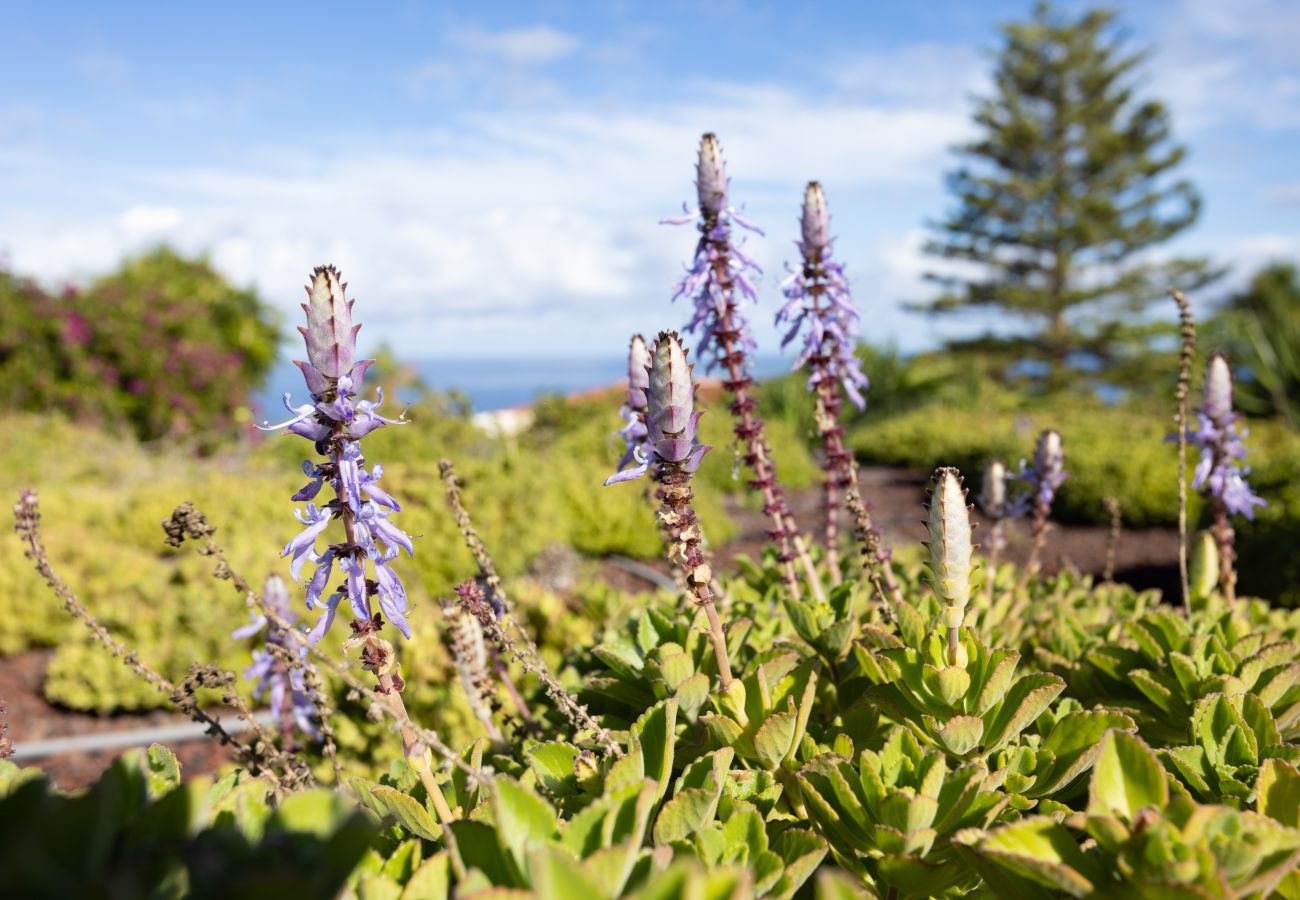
x=638, y=373
x=330, y=335
x=816, y=220
x=1218, y=389
x=951, y=551
x=711, y=176
x=993, y=489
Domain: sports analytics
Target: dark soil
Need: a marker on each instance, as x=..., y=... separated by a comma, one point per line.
x=1144, y=558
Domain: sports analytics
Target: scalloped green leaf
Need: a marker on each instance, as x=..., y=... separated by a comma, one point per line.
x=1126, y=778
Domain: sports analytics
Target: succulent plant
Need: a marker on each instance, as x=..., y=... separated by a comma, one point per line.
x=1145, y=839
x=969, y=709
x=889, y=817
x=1232, y=736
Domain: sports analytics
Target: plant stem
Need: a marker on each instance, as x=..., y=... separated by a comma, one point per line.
x=1188, y=332
x=685, y=552
x=1224, y=538
x=998, y=532
x=749, y=428
x=876, y=558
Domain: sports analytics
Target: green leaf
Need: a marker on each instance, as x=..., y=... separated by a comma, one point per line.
x=1074, y=743
x=402, y=807
x=403, y=861
x=1126, y=778
x=378, y=887
x=524, y=820
x=1278, y=787
x=432, y=881
x=773, y=739
x=557, y=876
x=1040, y=850
x=162, y=769
x=553, y=764
x=686, y=813
x=653, y=734
x=480, y=849
x=960, y=734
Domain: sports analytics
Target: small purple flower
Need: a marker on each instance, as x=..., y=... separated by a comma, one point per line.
x=671, y=418
x=336, y=421
x=1219, y=474
x=818, y=304
x=1044, y=477
x=719, y=274
x=291, y=705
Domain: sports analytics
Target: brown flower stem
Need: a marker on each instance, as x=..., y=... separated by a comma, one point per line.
x=520, y=647
x=876, y=558
x=685, y=553
x=749, y=428
x=1224, y=538
x=419, y=757
x=1187, y=330
x=188, y=522
x=1112, y=537
x=1040, y=527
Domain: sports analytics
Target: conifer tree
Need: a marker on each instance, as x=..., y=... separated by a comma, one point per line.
x=1066, y=188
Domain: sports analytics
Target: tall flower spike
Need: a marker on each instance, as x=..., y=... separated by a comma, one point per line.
x=951, y=552
x=819, y=307
x=675, y=453
x=718, y=282
x=336, y=421
x=993, y=504
x=285, y=685
x=1220, y=476
x=1044, y=478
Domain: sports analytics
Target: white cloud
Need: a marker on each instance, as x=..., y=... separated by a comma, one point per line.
x=537, y=45
x=513, y=221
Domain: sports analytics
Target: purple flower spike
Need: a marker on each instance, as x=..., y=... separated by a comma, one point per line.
x=633, y=412
x=335, y=421
x=720, y=274
x=818, y=304
x=1044, y=477
x=291, y=705
x=1219, y=474
x=671, y=419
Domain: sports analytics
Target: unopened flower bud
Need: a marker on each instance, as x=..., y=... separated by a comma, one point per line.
x=993, y=489
x=816, y=219
x=330, y=335
x=711, y=176
x=1049, y=456
x=950, y=544
x=671, y=417
x=638, y=373
x=1218, y=389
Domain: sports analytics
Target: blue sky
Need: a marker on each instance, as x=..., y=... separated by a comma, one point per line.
x=489, y=176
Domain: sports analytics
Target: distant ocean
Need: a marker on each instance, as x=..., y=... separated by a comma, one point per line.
x=493, y=384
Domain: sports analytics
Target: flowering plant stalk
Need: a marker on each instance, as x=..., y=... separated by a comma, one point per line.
x=718, y=281
x=993, y=504
x=274, y=675
x=818, y=304
x=674, y=453
x=336, y=422
x=1044, y=477
x=1219, y=475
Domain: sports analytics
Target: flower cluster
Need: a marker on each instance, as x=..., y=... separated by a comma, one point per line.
x=671, y=418
x=336, y=421
x=1219, y=474
x=291, y=704
x=819, y=305
x=719, y=270
x=1044, y=477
